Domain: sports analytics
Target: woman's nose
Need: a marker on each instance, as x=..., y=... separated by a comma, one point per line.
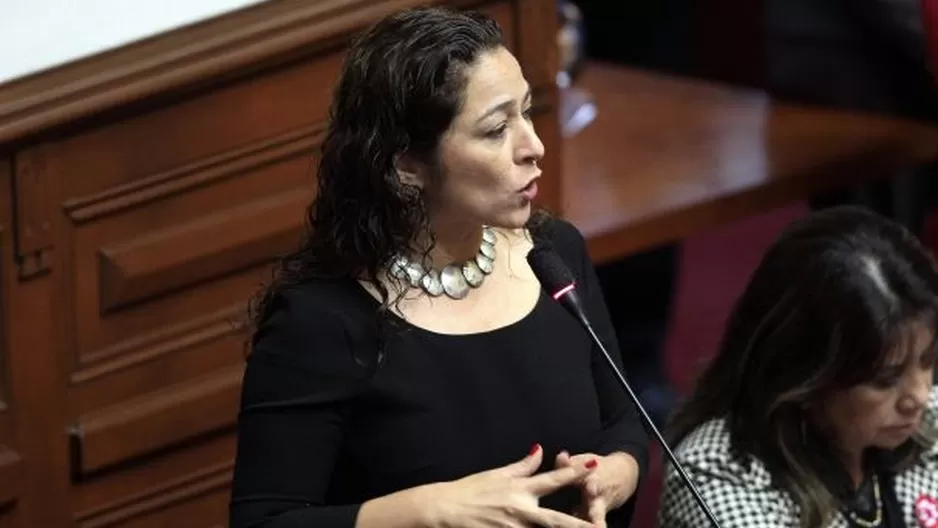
x=917, y=393
x=531, y=149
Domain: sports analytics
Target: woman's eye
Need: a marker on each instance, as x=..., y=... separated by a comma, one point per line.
x=928, y=358
x=887, y=378
x=496, y=132
x=499, y=131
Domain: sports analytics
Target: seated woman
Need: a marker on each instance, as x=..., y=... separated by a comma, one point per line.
x=819, y=406
x=405, y=359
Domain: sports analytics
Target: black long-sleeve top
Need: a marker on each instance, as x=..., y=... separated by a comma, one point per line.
x=321, y=430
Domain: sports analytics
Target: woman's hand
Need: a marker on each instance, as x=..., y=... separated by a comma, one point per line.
x=608, y=486
x=504, y=497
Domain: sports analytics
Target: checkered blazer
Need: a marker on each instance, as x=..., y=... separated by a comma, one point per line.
x=743, y=497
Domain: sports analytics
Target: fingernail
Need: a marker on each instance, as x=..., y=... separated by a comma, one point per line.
x=590, y=464
x=534, y=449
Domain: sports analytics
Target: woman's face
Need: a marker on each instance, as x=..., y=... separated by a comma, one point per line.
x=886, y=411
x=487, y=159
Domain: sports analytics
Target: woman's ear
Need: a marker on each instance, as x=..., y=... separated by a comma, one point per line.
x=409, y=170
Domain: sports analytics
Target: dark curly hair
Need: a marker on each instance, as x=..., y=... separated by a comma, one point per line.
x=401, y=86
x=832, y=297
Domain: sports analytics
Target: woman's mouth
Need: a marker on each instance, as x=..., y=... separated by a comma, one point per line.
x=902, y=429
x=529, y=191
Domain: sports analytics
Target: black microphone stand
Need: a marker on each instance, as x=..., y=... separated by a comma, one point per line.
x=648, y=422
x=557, y=279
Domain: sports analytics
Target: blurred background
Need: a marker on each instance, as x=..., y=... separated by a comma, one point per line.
x=155, y=157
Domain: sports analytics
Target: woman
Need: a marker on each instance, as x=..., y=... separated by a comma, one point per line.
x=818, y=408
x=405, y=358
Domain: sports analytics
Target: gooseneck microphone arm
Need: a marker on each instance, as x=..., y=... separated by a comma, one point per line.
x=648, y=422
x=557, y=279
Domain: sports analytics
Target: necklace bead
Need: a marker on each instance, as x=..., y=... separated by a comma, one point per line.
x=456, y=279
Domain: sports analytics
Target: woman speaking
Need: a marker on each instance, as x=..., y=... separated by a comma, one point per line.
x=407, y=369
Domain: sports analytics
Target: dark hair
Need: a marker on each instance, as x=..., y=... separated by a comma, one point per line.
x=400, y=88
x=830, y=300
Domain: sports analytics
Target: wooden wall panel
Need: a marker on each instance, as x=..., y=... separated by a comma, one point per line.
x=36, y=177
x=201, y=502
x=156, y=421
x=11, y=463
x=238, y=122
x=200, y=250
x=536, y=49
x=140, y=230
x=158, y=482
x=544, y=117
x=27, y=381
x=122, y=271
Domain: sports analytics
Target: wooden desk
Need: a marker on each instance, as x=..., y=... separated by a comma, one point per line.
x=668, y=157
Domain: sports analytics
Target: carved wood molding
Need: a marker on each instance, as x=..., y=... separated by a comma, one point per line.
x=201, y=173
x=5, y=319
x=204, y=480
x=186, y=56
x=165, y=340
x=201, y=250
x=33, y=175
x=173, y=415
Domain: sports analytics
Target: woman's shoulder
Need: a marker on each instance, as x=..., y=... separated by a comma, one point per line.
x=320, y=320
x=708, y=443
x=318, y=302
x=565, y=238
x=708, y=449
x=559, y=232
x=738, y=489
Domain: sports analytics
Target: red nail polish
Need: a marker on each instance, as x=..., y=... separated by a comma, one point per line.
x=534, y=449
x=590, y=464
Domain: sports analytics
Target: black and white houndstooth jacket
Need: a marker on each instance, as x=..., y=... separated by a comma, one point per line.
x=743, y=497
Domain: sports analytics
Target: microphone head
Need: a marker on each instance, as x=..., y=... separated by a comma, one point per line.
x=550, y=269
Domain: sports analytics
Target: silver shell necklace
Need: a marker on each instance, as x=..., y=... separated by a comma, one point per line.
x=455, y=280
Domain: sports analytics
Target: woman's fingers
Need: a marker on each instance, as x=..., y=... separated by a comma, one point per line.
x=597, y=512
x=563, y=459
x=554, y=519
x=525, y=467
x=551, y=481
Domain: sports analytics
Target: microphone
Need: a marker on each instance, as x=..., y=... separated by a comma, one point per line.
x=558, y=280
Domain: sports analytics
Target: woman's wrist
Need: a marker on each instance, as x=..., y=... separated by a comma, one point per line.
x=429, y=510
x=410, y=508
x=628, y=471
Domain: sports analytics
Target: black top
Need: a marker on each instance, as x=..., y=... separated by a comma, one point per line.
x=861, y=500
x=320, y=432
